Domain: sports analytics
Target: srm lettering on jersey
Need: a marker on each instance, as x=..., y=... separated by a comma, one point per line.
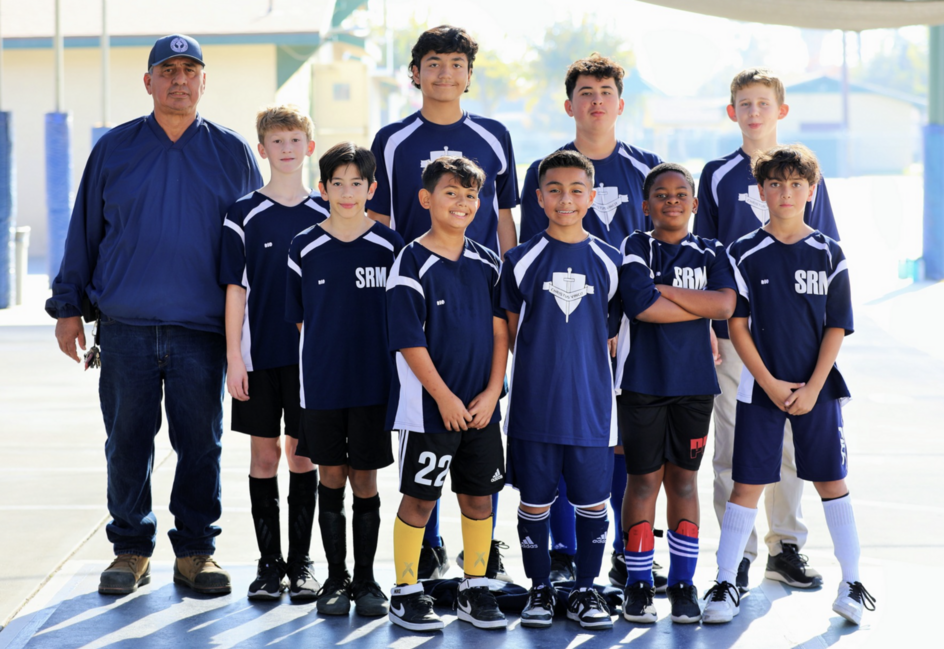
x=371, y=277
x=811, y=282
x=693, y=278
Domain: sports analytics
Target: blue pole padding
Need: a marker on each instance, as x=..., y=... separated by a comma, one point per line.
x=59, y=194
x=98, y=132
x=7, y=208
x=933, y=247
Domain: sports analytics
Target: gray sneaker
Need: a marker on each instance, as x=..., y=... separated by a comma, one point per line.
x=334, y=598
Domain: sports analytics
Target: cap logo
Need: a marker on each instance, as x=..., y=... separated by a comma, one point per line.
x=179, y=45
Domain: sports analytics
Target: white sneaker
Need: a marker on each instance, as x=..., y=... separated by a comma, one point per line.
x=724, y=602
x=539, y=610
x=853, y=599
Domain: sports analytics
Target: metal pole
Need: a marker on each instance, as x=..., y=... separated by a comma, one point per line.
x=106, y=46
x=846, y=139
x=60, y=76
x=933, y=241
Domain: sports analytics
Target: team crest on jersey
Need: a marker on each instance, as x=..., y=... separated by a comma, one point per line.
x=179, y=45
x=607, y=201
x=568, y=289
x=438, y=154
x=752, y=198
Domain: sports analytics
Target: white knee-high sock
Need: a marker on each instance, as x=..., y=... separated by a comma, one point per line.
x=842, y=528
x=735, y=529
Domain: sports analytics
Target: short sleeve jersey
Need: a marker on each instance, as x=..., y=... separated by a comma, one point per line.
x=405, y=148
x=448, y=307
x=562, y=378
x=617, y=208
x=730, y=206
x=792, y=294
x=257, y=233
x=337, y=290
x=672, y=359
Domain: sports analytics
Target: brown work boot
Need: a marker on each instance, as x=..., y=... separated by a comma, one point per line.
x=202, y=574
x=125, y=574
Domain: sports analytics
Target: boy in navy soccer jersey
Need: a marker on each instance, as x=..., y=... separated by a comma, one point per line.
x=262, y=349
x=441, y=68
x=558, y=290
x=451, y=345
x=594, y=87
x=670, y=282
x=730, y=206
x=794, y=309
x=337, y=272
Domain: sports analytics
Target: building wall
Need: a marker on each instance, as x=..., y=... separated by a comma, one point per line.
x=240, y=79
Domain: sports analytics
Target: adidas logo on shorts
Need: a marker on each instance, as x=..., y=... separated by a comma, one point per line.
x=600, y=539
x=528, y=543
x=497, y=476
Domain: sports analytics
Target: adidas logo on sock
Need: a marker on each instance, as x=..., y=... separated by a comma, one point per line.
x=600, y=539
x=528, y=543
x=497, y=476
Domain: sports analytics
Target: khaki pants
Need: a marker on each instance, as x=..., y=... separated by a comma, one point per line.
x=781, y=499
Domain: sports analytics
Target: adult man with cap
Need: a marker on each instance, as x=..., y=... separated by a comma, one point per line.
x=143, y=248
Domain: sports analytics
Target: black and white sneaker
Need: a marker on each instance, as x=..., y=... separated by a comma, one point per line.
x=685, y=607
x=853, y=599
x=496, y=567
x=562, y=567
x=269, y=582
x=412, y=609
x=637, y=603
x=433, y=564
x=539, y=610
x=723, y=605
x=743, y=576
x=790, y=567
x=302, y=585
x=476, y=604
x=586, y=606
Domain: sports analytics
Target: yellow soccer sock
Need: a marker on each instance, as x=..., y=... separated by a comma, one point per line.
x=476, y=544
x=407, y=543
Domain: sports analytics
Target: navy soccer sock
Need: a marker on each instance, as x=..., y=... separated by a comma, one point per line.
x=591, y=526
x=431, y=533
x=533, y=533
x=617, y=490
x=563, y=530
x=494, y=511
x=683, y=552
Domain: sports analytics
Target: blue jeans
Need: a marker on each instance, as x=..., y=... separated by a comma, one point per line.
x=138, y=364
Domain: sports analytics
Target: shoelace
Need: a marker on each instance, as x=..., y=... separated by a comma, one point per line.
x=858, y=592
x=718, y=592
x=594, y=601
x=367, y=588
x=333, y=585
x=200, y=561
x=640, y=594
x=543, y=598
x=497, y=546
x=794, y=558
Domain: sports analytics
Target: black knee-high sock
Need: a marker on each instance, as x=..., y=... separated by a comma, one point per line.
x=333, y=529
x=365, y=526
x=302, y=495
x=264, y=500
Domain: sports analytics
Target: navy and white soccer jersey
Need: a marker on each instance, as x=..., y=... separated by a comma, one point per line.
x=617, y=208
x=403, y=150
x=673, y=359
x=257, y=233
x=792, y=294
x=730, y=206
x=447, y=307
x=337, y=290
x=566, y=298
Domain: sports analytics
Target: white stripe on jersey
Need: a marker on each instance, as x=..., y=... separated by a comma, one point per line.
x=261, y=207
x=294, y=266
x=622, y=352
x=738, y=278
x=839, y=268
x=768, y=241
x=745, y=393
x=390, y=148
x=245, y=343
x=395, y=279
x=641, y=166
x=472, y=254
x=722, y=172
x=429, y=264
x=610, y=267
x=301, y=366
x=238, y=230
x=242, y=198
x=695, y=246
x=525, y=262
x=821, y=246
x=380, y=241
x=492, y=142
x=318, y=208
x=636, y=259
x=320, y=241
x=409, y=414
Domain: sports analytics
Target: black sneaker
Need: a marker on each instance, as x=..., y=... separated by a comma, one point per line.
x=412, y=609
x=562, y=567
x=659, y=580
x=369, y=599
x=539, y=610
x=476, y=604
x=434, y=562
x=618, y=574
x=685, y=607
x=302, y=585
x=334, y=598
x=743, y=577
x=587, y=606
x=790, y=567
x=637, y=603
x=495, y=568
x=269, y=582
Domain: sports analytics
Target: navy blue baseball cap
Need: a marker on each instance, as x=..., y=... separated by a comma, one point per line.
x=175, y=45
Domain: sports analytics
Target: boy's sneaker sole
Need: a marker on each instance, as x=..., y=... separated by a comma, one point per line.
x=481, y=624
x=598, y=625
x=436, y=625
x=774, y=575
